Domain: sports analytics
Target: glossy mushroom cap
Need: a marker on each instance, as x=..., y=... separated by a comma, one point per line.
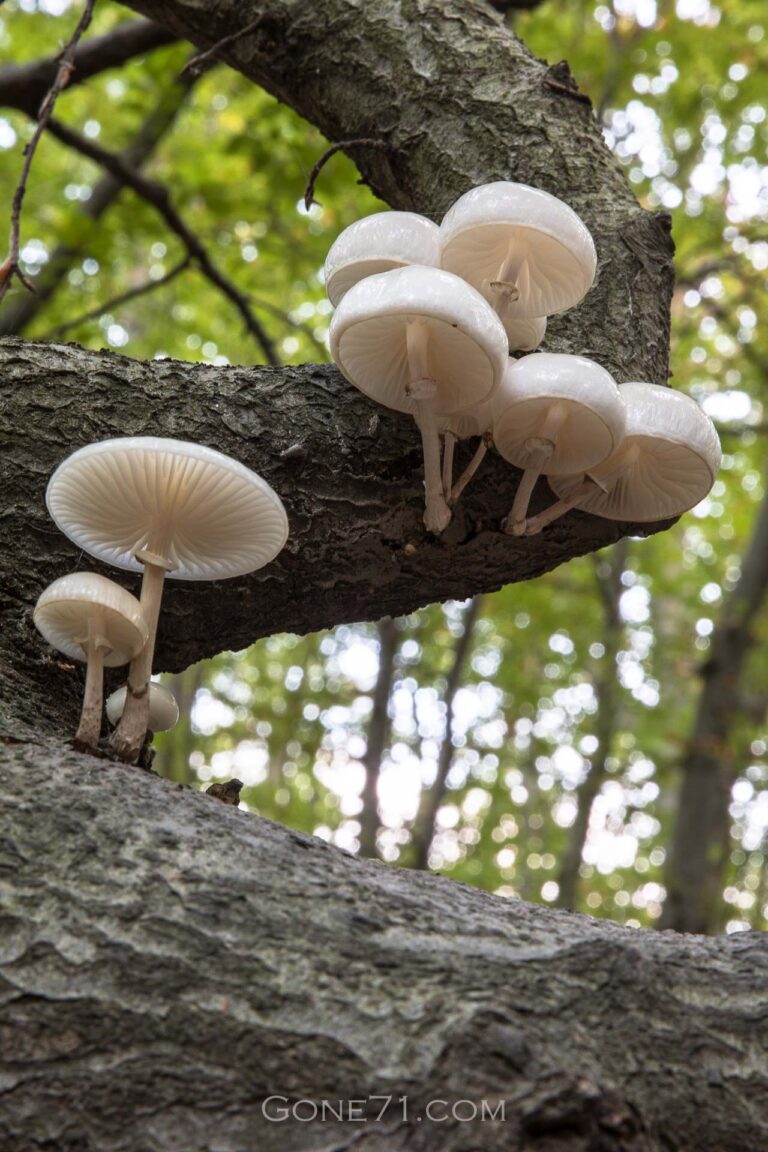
x=467, y=344
x=207, y=516
x=379, y=243
x=666, y=464
x=163, y=709
x=524, y=335
x=66, y=607
x=557, y=259
x=588, y=400
x=475, y=421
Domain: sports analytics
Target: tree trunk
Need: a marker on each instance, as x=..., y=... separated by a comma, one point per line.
x=168, y=964
x=423, y=830
x=701, y=840
x=376, y=736
x=606, y=688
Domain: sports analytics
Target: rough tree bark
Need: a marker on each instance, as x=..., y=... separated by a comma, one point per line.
x=349, y=473
x=168, y=963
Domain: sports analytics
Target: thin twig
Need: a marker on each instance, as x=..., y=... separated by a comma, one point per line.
x=367, y=141
x=195, y=65
x=116, y=301
x=10, y=266
x=156, y=194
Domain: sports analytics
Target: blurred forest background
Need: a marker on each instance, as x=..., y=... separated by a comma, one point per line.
x=595, y=739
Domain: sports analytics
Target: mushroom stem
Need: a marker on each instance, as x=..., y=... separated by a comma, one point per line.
x=506, y=284
x=422, y=391
x=541, y=448
x=449, y=443
x=469, y=471
x=130, y=733
x=533, y=526
x=89, y=728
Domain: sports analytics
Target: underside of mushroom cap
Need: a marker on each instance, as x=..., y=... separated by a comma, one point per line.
x=670, y=456
x=379, y=243
x=163, y=707
x=207, y=516
x=553, y=247
x=592, y=412
x=467, y=345
x=66, y=606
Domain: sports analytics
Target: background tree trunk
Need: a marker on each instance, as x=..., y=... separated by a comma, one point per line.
x=167, y=963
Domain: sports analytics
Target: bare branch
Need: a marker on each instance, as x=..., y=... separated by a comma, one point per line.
x=21, y=309
x=66, y=66
x=24, y=86
x=367, y=141
x=156, y=194
x=116, y=301
x=195, y=66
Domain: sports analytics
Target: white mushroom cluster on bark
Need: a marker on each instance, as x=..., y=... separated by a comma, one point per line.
x=164, y=508
x=414, y=330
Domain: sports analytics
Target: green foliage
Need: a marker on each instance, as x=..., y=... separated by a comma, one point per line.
x=680, y=90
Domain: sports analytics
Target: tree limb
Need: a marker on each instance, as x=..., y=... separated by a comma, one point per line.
x=10, y=269
x=169, y=963
x=459, y=101
x=24, y=86
x=21, y=310
x=157, y=195
x=349, y=472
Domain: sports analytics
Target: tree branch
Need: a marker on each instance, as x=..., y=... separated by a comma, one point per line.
x=24, y=86
x=10, y=270
x=459, y=101
x=349, y=472
x=115, y=301
x=157, y=195
x=193, y=960
x=21, y=310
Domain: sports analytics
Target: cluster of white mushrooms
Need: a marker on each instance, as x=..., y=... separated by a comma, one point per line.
x=163, y=508
x=426, y=318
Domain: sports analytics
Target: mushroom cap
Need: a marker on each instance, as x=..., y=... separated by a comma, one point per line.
x=558, y=253
x=594, y=411
x=467, y=343
x=524, y=333
x=209, y=515
x=64, y=609
x=379, y=243
x=475, y=421
x=163, y=708
x=669, y=458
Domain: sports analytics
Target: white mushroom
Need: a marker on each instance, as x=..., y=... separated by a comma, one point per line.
x=665, y=465
x=91, y=619
x=379, y=243
x=475, y=421
x=421, y=341
x=165, y=508
x=163, y=708
x=526, y=251
x=523, y=334
x=554, y=414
